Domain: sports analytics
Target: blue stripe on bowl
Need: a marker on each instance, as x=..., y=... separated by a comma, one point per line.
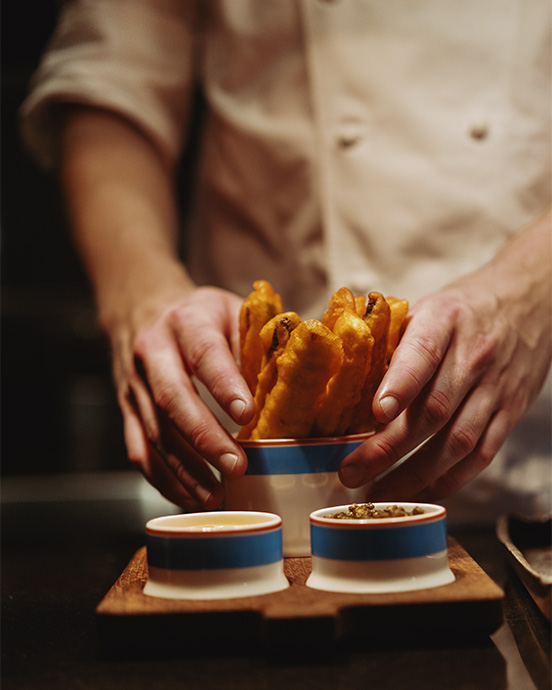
x=208, y=553
x=376, y=544
x=307, y=459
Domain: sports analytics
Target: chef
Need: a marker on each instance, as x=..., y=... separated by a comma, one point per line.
x=400, y=147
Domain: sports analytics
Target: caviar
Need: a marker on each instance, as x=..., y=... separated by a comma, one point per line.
x=364, y=511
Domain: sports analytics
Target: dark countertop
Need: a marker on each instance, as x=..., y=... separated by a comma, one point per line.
x=63, y=548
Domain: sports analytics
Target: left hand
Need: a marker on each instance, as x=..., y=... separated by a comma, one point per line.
x=473, y=358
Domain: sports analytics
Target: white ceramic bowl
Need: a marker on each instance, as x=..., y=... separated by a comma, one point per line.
x=214, y=555
x=292, y=478
x=379, y=554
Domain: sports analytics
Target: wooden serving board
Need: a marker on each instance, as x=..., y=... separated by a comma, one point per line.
x=469, y=607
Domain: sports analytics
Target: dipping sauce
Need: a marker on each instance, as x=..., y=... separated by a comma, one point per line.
x=365, y=511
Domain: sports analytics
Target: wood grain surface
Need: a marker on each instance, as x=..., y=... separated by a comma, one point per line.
x=468, y=607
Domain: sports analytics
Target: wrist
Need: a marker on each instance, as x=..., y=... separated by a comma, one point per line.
x=144, y=286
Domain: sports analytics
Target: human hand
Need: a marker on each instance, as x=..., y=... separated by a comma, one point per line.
x=171, y=435
x=119, y=193
x=473, y=358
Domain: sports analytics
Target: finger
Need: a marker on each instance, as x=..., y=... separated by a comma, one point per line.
x=415, y=361
x=159, y=475
x=141, y=457
x=192, y=487
x=150, y=432
x=190, y=470
x=398, y=438
x=426, y=415
x=208, y=356
x=446, y=450
x=466, y=470
x=133, y=431
x=176, y=399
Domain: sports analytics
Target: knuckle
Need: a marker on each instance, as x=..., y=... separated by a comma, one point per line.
x=483, y=351
x=218, y=384
x=152, y=433
x=125, y=397
x=199, y=353
x=206, y=362
x=428, y=349
x=129, y=392
x=438, y=408
x=166, y=397
x=462, y=440
x=143, y=345
x=183, y=476
x=206, y=340
x=411, y=379
x=199, y=436
x=385, y=451
x=485, y=455
x=179, y=316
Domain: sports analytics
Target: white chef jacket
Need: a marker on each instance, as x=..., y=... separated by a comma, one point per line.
x=388, y=146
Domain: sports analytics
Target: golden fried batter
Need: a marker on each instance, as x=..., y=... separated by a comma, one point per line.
x=342, y=300
x=378, y=317
x=344, y=389
x=398, y=311
x=274, y=336
x=259, y=307
x=313, y=354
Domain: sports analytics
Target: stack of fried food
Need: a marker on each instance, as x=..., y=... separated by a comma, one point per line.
x=316, y=378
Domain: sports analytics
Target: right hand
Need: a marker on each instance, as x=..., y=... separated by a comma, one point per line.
x=171, y=435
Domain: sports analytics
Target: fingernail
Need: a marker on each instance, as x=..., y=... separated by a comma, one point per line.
x=237, y=408
x=203, y=494
x=390, y=406
x=210, y=499
x=353, y=475
x=228, y=462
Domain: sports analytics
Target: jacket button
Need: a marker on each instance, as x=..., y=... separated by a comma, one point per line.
x=347, y=141
x=479, y=132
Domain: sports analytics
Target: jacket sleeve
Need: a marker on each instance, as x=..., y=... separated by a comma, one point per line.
x=132, y=57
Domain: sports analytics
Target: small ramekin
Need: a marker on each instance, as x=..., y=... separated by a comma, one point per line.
x=379, y=554
x=293, y=477
x=214, y=555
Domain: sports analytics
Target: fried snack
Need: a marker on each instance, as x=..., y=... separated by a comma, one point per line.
x=360, y=305
x=259, y=307
x=341, y=300
x=378, y=317
x=311, y=357
x=274, y=337
x=344, y=389
x=399, y=310
x=316, y=378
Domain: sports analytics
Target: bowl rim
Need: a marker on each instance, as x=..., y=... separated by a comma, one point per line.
x=433, y=512
x=315, y=441
x=261, y=521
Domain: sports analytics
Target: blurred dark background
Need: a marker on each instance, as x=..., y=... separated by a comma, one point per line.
x=58, y=410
